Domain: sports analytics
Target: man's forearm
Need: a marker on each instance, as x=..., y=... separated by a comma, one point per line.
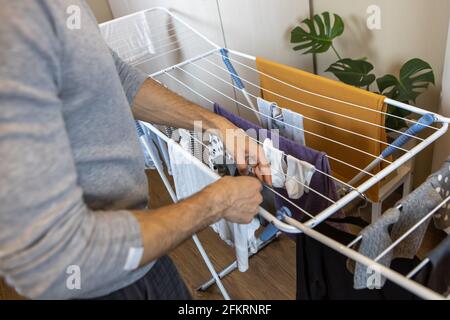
x=156, y=104
x=165, y=228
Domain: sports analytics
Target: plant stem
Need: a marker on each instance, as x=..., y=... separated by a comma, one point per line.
x=335, y=51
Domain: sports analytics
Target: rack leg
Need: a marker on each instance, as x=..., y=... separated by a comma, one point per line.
x=407, y=185
x=376, y=210
x=211, y=267
x=222, y=274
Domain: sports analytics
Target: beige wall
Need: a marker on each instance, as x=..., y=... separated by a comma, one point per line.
x=442, y=147
x=262, y=28
x=101, y=9
x=410, y=28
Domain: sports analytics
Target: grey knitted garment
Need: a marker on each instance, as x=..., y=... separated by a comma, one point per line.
x=375, y=238
x=415, y=206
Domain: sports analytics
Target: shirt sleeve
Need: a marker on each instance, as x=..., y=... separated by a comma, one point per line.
x=46, y=230
x=131, y=77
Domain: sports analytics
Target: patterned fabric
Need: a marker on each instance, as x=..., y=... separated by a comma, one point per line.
x=441, y=182
x=162, y=282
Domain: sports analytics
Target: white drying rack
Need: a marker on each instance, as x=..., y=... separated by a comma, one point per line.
x=179, y=64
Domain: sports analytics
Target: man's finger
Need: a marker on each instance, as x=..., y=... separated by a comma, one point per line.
x=266, y=174
x=242, y=169
x=258, y=174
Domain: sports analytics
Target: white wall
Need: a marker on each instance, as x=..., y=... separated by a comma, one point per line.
x=442, y=147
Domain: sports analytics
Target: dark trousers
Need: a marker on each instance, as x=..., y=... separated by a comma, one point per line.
x=162, y=282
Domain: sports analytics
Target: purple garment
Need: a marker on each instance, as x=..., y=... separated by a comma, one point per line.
x=311, y=202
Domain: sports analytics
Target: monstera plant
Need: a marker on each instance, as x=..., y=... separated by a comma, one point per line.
x=316, y=35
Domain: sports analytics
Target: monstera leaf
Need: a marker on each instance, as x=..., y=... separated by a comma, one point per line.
x=396, y=122
x=353, y=72
x=317, y=34
x=415, y=77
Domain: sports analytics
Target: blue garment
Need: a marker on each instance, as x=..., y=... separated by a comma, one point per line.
x=288, y=122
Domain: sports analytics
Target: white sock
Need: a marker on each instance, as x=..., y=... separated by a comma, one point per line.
x=299, y=174
x=277, y=164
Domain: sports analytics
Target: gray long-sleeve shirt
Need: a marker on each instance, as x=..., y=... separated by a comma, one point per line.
x=70, y=163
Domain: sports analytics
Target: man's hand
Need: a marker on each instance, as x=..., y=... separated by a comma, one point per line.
x=245, y=151
x=237, y=197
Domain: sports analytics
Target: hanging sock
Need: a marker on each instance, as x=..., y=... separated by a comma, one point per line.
x=289, y=97
x=294, y=126
x=299, y=174
x=288, y=122
x=277, y=163
x=270, y=111
x=266, y=109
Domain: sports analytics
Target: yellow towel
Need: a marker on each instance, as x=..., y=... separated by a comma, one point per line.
x=336, y=90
